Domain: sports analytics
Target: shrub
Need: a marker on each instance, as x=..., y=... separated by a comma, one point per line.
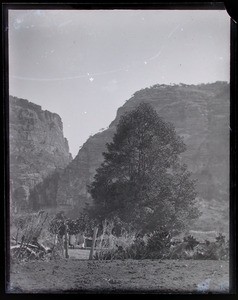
x=218, y=250
x=138, y=249
x=158, y=244
x=191, y=242
x=155, y=245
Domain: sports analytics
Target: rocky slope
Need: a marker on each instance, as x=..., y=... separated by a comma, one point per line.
x=37, y=147
x=200, y=114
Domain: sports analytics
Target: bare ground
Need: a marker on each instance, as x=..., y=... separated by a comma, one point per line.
x=75, y=275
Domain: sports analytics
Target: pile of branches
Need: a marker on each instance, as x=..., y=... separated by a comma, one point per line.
x=25, y=245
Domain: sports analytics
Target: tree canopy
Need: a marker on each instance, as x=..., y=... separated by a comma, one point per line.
x=142, y=181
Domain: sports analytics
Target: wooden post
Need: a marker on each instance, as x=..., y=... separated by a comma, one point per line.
x=66, y=242
x=102, y=237
x=93, y=243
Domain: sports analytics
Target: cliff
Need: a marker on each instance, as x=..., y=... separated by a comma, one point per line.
x=37, y=147
x=200, y=114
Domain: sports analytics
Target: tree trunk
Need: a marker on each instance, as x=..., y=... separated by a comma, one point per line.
x=66, y=242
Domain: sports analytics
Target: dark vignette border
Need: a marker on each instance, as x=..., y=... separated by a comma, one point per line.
x=233, y=156
x=229, y=5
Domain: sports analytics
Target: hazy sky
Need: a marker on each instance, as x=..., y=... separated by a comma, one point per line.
x=83, y=65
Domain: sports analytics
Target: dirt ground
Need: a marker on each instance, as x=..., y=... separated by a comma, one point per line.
x=81, y=275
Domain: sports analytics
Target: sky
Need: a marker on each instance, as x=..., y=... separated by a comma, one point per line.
x=84, y=64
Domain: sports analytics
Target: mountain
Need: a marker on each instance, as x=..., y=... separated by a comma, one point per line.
x=37, y=148
x=200, y=114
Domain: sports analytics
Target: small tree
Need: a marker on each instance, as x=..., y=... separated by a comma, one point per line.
x=141, y=180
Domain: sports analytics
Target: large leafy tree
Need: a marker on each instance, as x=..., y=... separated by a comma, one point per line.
x=141, y=181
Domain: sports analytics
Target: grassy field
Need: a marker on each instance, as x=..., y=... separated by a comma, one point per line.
x=81, y=275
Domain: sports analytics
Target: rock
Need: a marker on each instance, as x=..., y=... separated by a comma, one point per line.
x=37, y=148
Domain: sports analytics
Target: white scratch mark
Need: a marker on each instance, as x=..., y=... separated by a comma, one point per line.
x=66, y=78
x=173, y=31
x=157, y=54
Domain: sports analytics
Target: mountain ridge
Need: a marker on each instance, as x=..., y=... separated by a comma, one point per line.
x=200, y=114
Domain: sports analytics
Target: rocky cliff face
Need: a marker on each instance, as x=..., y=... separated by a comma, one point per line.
x=72, y=187
x=37, y=147
x=200, y=114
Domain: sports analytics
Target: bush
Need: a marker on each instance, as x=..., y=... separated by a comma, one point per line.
x=109, y=254
x=154, y=245
x=218, y=250
x=158, y=244
x=138, y=249
x=113, y=247
x=191, y=242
